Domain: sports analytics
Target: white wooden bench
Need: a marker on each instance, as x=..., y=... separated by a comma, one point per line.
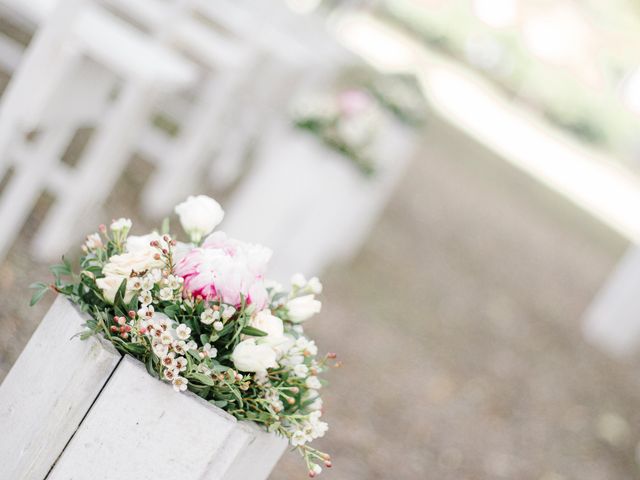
x=72, y=408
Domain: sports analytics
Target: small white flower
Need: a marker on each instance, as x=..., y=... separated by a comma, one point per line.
x=217, y=326
x=316, y=405
x=135, y=283
x=170, y=373
x=298, y=280
x=316, y=469
x=155, y=275
x=209, y=351
x=228, y=312
x=209, y=316
x=147, y=282
x=315, y=286
x=298, y=438
x=162, y=321
x=93, y=242
x=183, y=332
x=122, y=224
x=174, y=282
x=160, y=349
x=313, y=382
x=180, y=384
x=318, y=428
x=145, y=298
x=166, y=338
x=169, y=361
x=261, y=378
x=191, y=345
x=181, y=364
x=301, y=370
x=146, y=312
x=165, y=294
x=180, y=347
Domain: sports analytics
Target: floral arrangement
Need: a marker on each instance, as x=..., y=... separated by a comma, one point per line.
x=347, y=122
x=350, y=119
x=202, y=317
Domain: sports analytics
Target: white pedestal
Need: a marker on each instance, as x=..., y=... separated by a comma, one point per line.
x=74, y=409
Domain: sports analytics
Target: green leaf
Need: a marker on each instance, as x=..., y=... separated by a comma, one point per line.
x=204, y=338
x=150, y=364
x=60, y=270
x=40, y=289
x=219, y=403
x=119, y=297
x=172, y=311
x=204, y=379
x=254, y=332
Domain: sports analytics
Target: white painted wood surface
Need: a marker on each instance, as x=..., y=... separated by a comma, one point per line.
x=612, y=321
x=141, y=428
x=77, y=410
x=48, y=391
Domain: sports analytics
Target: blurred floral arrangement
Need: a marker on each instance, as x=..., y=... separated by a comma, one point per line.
x=201, y=316
x=350, y=119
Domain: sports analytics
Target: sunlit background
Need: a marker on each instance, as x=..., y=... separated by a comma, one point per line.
x=463, y=174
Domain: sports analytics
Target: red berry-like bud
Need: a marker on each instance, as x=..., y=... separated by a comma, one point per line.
x=102, y=228
x=143, y=330
x=127, y=328
x=132, y=314
x=123, y=329
x=312, y=474
x=328, y=464
x=157, y=256
x=332, y=355
x=124, y=335
x=113, y=328
x=166, y=238
x=165, y=251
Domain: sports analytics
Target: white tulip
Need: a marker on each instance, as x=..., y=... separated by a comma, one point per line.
x=248, y=356
x=199, y=216
x=303, y=308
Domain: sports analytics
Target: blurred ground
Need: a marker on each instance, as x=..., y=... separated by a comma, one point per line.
x=458, y=326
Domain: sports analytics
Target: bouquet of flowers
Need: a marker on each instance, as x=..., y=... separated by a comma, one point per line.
x=201, y=316
x=347, y=122
x=349, y=119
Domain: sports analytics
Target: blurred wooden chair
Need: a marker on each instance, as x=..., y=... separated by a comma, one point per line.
x=81, y=56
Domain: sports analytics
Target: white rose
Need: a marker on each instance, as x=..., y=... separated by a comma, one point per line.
x=251, y=357
x=126, y=263
x=303, y=308
x=109, y=286
x=199, y=216
x=142, y=243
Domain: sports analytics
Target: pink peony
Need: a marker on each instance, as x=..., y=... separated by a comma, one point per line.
x=226, y=269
